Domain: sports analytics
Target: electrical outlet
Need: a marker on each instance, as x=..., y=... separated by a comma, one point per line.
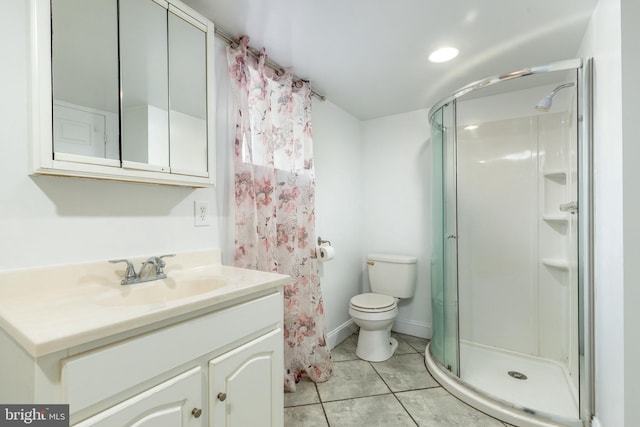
x=201, y=213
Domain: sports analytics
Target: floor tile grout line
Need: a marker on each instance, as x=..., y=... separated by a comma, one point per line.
x=324, y=411
x=380, y=376
x=405, y=409
x=417, y=389
x=358, y=397
x=395, y=393
x=302, y=404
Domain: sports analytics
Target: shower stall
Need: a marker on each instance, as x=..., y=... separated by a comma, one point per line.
x=511, y=275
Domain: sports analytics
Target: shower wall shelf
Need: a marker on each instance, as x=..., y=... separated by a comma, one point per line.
x=560, y=264
x=556, y=218
x=556, y=174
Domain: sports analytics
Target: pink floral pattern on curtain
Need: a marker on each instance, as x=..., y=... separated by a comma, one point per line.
x=274, y=203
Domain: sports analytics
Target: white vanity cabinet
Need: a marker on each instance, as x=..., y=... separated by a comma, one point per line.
x=218, y=365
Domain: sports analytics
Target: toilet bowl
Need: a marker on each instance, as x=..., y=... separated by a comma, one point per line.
x=374, y=314
x=391, y=277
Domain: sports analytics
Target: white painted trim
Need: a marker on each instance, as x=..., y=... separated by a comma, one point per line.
x=341, y=333
x=187, y=17
x=413, y=328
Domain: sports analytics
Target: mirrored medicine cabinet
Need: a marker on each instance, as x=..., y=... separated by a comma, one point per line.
x=122, y=90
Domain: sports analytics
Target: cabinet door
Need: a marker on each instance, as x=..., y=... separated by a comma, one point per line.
x=246, y=384
x=174, y=403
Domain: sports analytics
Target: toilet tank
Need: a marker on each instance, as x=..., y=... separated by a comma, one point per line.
x=393, y=275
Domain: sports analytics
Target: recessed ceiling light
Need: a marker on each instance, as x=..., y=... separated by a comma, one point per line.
x=443, y=54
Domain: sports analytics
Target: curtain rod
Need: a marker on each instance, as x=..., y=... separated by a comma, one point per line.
x=256, y=54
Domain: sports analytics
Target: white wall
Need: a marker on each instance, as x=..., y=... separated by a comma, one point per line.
x=602, y=42
x=630, y=11
x=47, y=220
x=339, y=210
x=611, y=40
x=397, y=204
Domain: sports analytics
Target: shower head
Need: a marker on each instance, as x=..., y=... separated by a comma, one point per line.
x=544, y=104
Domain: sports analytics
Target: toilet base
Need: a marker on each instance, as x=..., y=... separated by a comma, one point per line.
x=375, y=346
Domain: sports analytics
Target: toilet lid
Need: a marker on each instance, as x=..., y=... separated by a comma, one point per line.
x=373, y=302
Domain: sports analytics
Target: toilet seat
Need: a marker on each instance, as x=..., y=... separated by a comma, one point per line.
x=373, y=303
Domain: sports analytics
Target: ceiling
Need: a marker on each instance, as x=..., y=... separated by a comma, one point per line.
x=369, y=57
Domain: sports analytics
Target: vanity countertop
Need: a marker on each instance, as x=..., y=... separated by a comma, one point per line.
x=54, y=308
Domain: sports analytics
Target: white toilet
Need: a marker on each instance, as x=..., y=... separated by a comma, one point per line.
x=390, y=277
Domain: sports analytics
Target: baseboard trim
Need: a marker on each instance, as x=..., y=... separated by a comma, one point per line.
x=341, y=333
x=411, y=327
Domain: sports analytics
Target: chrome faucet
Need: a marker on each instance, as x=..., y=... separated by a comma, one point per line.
x=151, y=269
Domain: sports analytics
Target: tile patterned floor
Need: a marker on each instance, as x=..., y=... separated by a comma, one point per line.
x=397, y=392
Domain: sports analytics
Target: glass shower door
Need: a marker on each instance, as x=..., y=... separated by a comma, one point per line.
x=444, y=299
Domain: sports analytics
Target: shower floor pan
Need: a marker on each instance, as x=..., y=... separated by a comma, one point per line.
x=485, y=383
x=546, y=389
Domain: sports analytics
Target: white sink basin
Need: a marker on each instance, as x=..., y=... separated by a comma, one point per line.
x=52, y=308
x=163, y=291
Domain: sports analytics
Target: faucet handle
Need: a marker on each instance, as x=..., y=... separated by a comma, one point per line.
x=131, y=271
x=158, y=259
x=161, y=263
x=158, y=262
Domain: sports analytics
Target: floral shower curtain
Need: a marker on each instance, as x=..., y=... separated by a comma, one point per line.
x=274, y=203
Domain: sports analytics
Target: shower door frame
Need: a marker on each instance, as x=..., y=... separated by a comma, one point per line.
x=458, y=387
x=443, y=269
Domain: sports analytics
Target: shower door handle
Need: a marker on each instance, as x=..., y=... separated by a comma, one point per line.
x=451, y=236
x=571, y=207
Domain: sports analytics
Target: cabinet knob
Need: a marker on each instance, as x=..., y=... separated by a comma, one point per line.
x=196, y=412
x=222, y=397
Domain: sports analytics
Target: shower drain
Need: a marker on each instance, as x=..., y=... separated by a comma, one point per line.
x=517, y=375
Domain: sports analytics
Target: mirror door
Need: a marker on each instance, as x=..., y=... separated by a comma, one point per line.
x=145, y=85
x=187, y=95
x=84, y=47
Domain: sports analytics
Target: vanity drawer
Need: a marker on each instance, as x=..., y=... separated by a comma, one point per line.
x=91, y=377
